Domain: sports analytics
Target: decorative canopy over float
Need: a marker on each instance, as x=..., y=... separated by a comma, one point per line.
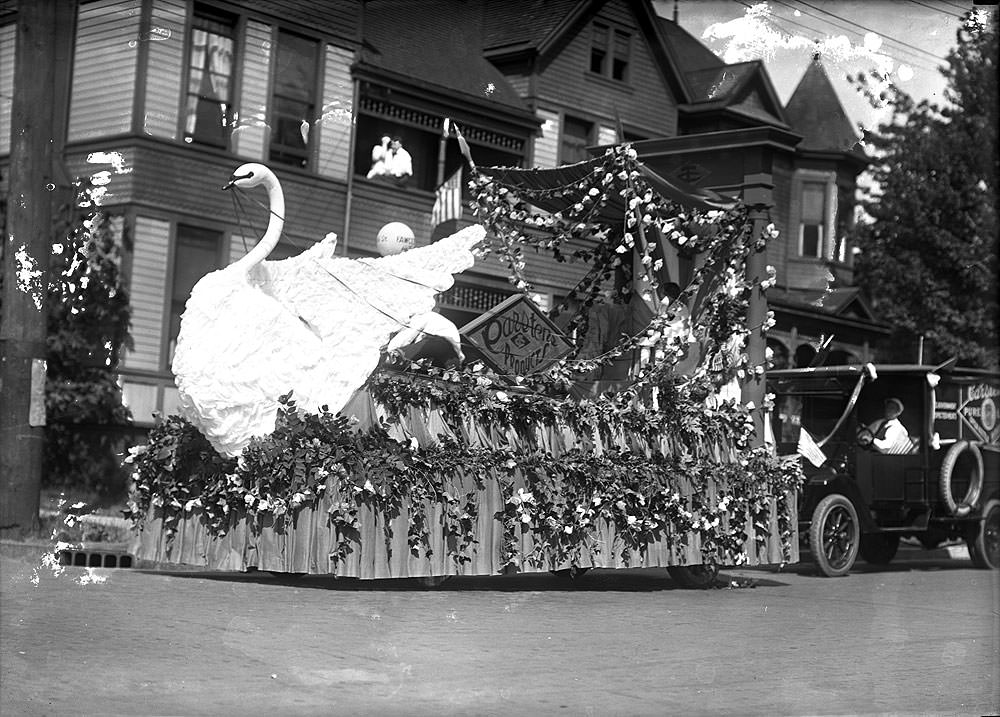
x=436, y=471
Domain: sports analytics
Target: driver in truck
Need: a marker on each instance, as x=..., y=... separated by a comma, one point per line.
x=890, y=435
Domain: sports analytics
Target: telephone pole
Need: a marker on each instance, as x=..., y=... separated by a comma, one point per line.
x=26, y=249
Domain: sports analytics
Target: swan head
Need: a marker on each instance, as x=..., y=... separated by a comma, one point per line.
x=249, y=175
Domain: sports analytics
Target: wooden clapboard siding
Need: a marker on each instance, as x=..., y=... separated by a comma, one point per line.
x=779, y=250
x=7, y=41
x=173, y=180
x=148, y=290
x=376, y=204
x=335, y=120
x=104, y=69
x=546, y=145
x=165, y=69
x=644, y=102
x=250, y=133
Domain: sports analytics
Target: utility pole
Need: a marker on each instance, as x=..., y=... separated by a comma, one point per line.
x=26, y=249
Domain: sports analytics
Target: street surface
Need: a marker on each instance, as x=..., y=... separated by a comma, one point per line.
x=920, y=637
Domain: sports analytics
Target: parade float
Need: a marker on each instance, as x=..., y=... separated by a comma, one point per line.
x=317, y=438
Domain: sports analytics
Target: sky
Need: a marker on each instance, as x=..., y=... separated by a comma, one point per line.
x=905, y=39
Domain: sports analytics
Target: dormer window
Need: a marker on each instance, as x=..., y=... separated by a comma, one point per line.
x=609, y=52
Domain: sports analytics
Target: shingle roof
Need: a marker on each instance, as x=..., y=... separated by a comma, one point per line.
x=815, y=112
x=718, y=83
x=436, y=43
x=522, y=23
x=687, y=50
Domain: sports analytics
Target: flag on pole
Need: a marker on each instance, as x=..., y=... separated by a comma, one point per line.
x=809, y=450
x=448, y=199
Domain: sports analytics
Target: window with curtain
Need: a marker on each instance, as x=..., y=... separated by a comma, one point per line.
x=576, y=134
x=610, y=50
x=812, y=224
x=293, y=98
x=196, y=253
x=209, y=108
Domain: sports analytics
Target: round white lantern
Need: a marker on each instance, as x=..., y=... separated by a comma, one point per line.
x=394, y=238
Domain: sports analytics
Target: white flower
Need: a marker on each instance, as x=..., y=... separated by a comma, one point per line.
x=630, y=519
x=568, y=529
x=368, y=486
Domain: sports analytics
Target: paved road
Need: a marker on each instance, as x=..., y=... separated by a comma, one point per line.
x=918, y=637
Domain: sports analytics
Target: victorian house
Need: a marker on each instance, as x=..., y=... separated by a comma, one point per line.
x=168, y=97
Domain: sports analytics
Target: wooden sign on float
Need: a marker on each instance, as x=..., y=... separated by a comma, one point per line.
x=516, y=338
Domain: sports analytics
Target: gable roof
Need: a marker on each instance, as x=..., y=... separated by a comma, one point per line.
x=744, y=88
x=844, y=301
x=688, y=52
x=815, y=112
x=543, y=27
x=437, y=45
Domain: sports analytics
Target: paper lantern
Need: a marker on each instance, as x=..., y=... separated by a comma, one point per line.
x=394, y=238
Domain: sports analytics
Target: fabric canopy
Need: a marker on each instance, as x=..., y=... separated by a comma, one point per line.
x=567, y=177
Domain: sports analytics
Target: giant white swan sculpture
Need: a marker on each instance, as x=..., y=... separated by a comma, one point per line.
x=314, y=324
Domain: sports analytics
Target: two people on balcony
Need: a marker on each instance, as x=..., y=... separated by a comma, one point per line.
x=390, y=162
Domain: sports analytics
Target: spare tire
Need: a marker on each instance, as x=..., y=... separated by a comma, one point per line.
x=971, y=469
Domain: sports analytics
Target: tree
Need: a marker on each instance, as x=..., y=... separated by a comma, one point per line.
x=88, y=325
x=929, y=252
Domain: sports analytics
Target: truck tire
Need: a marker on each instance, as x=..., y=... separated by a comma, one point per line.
x=879, y=548
x=984, y=545
x=834, y=536
x=962, y=507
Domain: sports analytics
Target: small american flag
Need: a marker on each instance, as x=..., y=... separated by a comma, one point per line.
x=448, y=202
x=809, y=449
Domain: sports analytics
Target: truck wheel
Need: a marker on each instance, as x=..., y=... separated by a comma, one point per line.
x=694, y=577
x=879, y=548
x=970, y=470
x=834, y=535
x=984, y=547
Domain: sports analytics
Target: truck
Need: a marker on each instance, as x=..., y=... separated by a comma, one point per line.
x=859, y=500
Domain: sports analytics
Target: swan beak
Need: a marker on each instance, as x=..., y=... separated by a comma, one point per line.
x=234, y=179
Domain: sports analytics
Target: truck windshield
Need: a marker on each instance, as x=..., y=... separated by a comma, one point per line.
x=817, y=414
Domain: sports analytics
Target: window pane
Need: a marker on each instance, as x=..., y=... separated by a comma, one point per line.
x=597, y=58
x=813, y=202
x=575, y=138
x=619, y=69
x=196, y=254
x=812, y=239
x=599, y=48
x=210, y=64
x=294, y=98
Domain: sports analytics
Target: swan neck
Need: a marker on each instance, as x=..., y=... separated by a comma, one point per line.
x=275, y=223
